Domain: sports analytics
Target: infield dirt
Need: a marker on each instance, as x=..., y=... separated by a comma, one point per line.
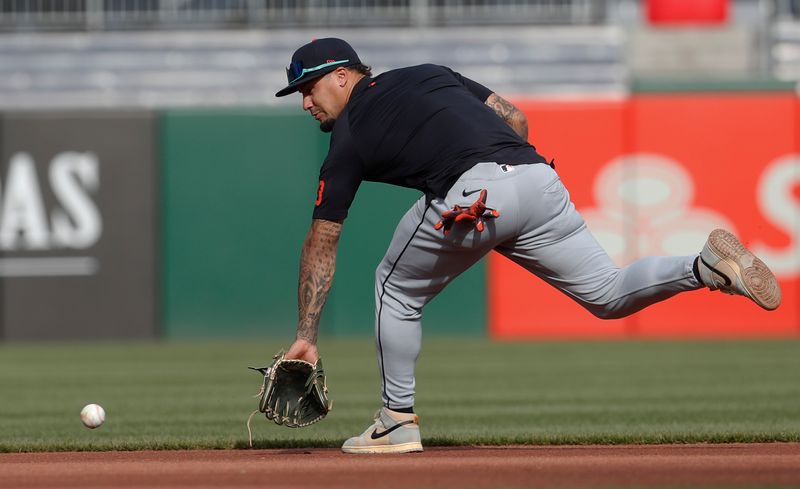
x=733, y=465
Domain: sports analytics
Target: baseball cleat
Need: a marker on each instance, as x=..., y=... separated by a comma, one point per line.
x=392, y=432
x=726, y=265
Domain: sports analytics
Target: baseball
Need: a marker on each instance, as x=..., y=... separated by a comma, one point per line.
x=93, y=416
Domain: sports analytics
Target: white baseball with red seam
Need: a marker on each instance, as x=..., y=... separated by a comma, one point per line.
x=93, y=416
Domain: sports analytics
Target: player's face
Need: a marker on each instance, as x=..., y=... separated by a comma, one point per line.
x=324, y=99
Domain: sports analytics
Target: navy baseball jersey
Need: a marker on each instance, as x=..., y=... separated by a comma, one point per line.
x=419, y=127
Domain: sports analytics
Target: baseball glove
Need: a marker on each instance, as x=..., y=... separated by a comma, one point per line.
x=294, y=393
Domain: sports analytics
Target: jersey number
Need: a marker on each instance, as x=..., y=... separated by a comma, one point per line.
x=319, y=191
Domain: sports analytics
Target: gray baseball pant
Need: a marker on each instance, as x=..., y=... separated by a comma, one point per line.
x=538, y=228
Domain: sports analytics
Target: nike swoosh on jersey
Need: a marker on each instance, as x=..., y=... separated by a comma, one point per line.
x=375, y=435
x=467, y=194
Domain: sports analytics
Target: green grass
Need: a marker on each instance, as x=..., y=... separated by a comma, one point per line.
x=198, y=395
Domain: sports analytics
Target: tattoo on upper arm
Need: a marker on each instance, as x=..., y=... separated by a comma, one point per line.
x=501, y=106
x=317, y=266
x=509, y=113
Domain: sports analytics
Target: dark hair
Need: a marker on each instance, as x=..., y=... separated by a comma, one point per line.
x=361, y=68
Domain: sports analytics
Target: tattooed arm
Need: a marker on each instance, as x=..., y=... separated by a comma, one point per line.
x=317, y=265
x=512, y=115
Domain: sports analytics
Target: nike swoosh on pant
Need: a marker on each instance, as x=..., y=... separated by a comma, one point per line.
x=375, y=435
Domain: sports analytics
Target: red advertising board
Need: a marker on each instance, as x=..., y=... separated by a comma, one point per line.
x=687, y=11
x=652, y=175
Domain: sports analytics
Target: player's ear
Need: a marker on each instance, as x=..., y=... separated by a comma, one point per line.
x=341, y=76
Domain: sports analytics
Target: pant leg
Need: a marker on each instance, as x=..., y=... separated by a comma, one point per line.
x=419, y=263
x=538, y=228
x=410, y=275
x=556, y=245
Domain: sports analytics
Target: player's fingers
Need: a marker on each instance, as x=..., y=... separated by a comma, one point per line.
x=295, y=351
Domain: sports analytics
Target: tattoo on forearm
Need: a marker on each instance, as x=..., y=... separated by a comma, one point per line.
x=506, y=111
x=317, y=265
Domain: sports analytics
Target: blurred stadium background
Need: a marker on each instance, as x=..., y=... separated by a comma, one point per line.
x=152, y=186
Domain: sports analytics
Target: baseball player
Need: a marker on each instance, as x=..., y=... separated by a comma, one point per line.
x=485, y=188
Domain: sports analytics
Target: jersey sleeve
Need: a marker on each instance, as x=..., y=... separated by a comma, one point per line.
x=339, y=179
x=475, y=88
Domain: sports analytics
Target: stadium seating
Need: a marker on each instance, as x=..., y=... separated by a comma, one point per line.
x=246, y=67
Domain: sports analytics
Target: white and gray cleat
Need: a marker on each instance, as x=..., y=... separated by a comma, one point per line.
x=392, y=432
x=726, y=265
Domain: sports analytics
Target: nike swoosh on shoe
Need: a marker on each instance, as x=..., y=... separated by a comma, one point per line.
x=375, y=435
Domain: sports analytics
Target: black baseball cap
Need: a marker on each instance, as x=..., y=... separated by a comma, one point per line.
x=315, y=59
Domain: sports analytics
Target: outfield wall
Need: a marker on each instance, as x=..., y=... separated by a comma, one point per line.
x=191, y=221
x=238, y=191
x=652, y=175
x=78, y=214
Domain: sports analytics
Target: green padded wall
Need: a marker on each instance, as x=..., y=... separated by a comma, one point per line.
x=237, y=189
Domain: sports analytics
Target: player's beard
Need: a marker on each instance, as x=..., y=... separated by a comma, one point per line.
x=327, y=124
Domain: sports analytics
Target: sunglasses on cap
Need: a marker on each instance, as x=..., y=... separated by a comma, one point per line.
x=296, y=71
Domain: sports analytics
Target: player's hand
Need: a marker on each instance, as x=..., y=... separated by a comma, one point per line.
x=303, y=350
